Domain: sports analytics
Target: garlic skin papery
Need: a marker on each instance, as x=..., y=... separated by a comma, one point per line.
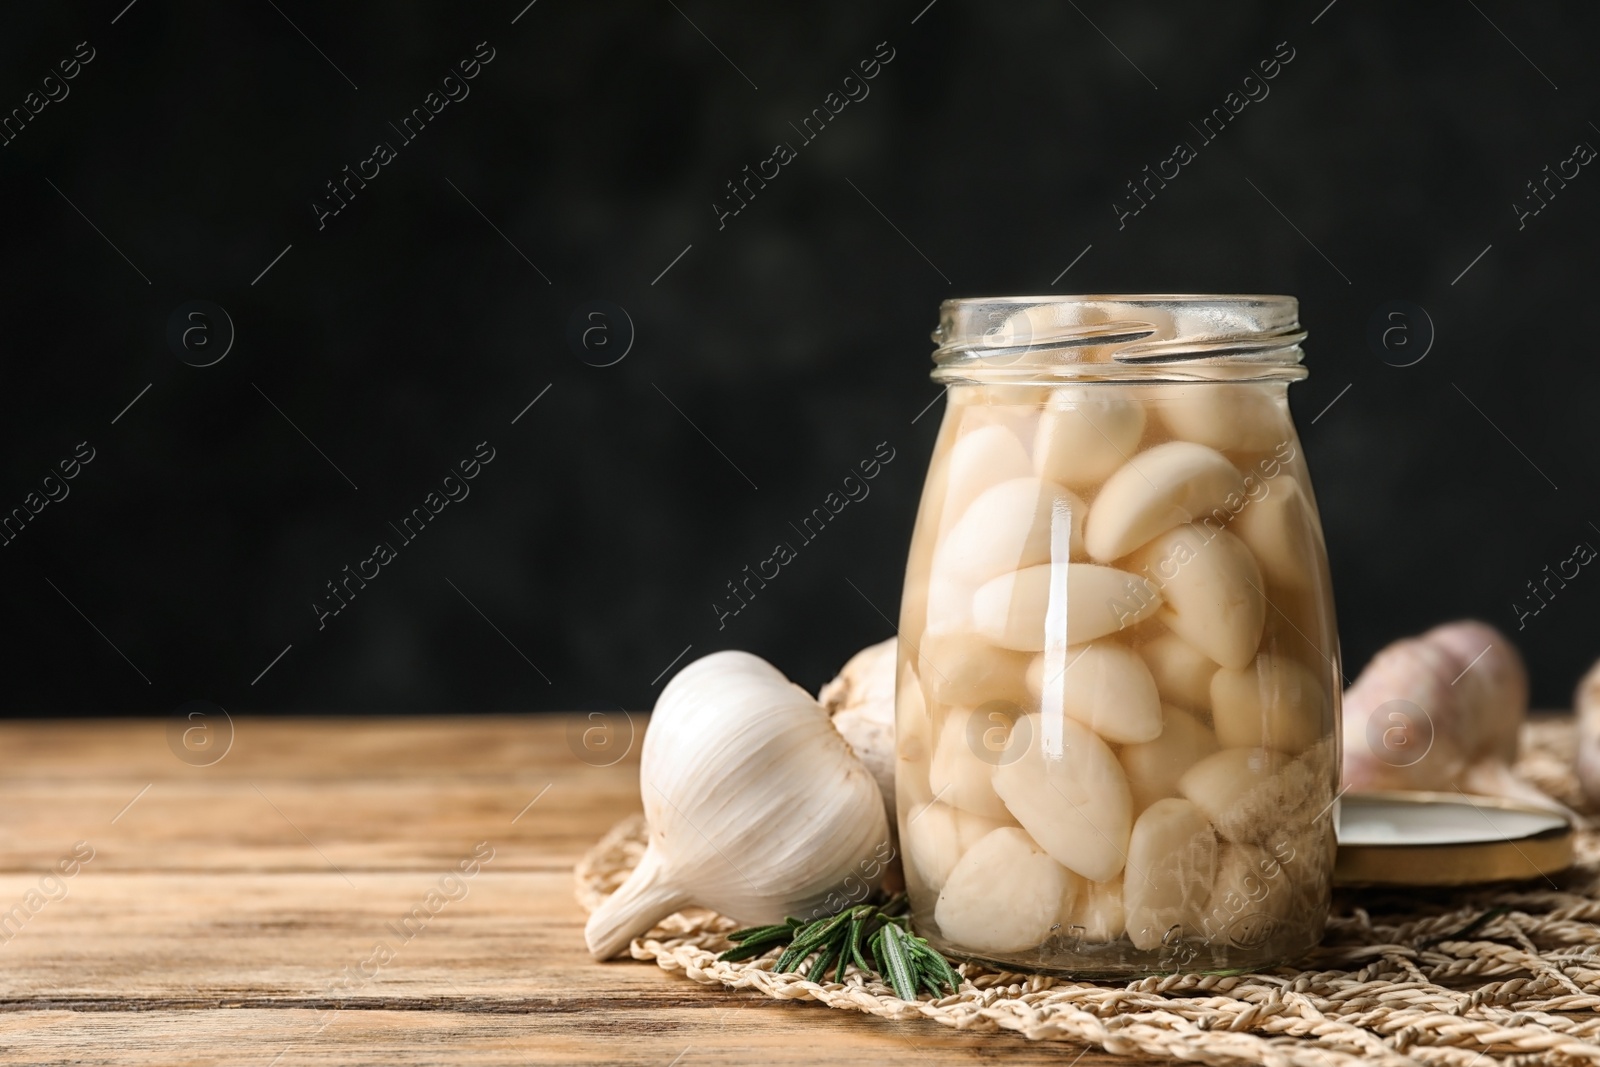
x=757, y=808
x=861, y=702
x=1440, y=711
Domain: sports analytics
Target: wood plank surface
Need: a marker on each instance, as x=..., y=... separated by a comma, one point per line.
x=233, y=913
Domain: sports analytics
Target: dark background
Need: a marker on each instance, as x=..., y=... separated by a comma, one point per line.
x=379, y=350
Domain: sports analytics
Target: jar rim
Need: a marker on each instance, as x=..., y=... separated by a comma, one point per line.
x=1119, y=337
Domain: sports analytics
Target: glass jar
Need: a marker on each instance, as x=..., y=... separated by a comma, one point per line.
x=1119, y=671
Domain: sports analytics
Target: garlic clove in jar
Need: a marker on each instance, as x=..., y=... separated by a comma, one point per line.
x=1161, y=487
x=964, y=668
x=1068, y=791
x=1226, y=416
x=1252, y=794
x=949, y=605
x=1004, y=895
x=937, y=836
x=1094, y=912
x=1172, y=862
x=1182, y=672
x=1251, y=884
x=1084, y=436
x=1010, y=610
x=1108, y=688
x=910, y=736
x=979, y=459
x=756, y=806
x=1154, y=767
x=962, y=771
x=1211, y=591
x=1275, y=702
x=1016, y=523
x=1279, y=530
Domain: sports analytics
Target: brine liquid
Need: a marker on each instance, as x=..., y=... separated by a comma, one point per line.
x=1118, y=682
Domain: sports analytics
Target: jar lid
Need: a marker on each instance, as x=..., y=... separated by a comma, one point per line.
x=1444, y=839
x=1186, y=336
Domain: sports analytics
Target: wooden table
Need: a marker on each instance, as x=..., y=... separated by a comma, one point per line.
x=232, y=913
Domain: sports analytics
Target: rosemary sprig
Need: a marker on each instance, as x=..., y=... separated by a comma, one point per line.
x=906, y=961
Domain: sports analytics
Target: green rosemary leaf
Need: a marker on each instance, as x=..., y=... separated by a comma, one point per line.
x=762, y=933
x=791, y=957
x=794, y=956
x=819, y=931
x=819, y=969
x=875, y=948
x=797, y=951
x=771, y=938
x=747, y=951
x=939, y=967
x=899, y=964
x=875, y=938
x=854, y=943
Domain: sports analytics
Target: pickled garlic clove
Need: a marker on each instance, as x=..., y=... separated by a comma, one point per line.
x=1154, y=767
x=1221, y=784
x=1076, y=805
x=1254, y=794
x=1251, y=884
x=1158, y=489
x=1226, y=417
x=1278, y=530
x=1211, y=591
x=937, y=836
x=984, y=457
x=1172, y=862
x=949, y=605
x=1182, y=672
x=1275, y=703
x=1108, y=688
x=964, y=668
x=1083, y=437
x=1009, y=526
x=1010, y=610
x=962, y=772
x=909, y=728
x=1004, y=895
x=1092, y=911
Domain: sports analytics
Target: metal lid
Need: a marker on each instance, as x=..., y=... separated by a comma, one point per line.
x=1423, y=839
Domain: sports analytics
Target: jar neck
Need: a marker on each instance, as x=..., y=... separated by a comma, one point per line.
x=1044, y=340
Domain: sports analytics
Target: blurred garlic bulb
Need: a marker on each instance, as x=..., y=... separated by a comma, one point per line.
x=1439, y=712
x=1587, y=707
x=756, y=806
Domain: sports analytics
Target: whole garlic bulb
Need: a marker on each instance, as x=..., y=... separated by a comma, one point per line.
x=861, y=701
x=1587, y=707
x=756, y=806
x=1459, y=693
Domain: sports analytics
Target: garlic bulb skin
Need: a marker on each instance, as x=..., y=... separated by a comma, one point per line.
x=1441, y=711
x=861, y=702
x=756, y=806
x=1587, y=707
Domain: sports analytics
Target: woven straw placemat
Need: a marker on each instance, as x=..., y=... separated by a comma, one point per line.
x=1420, y=977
